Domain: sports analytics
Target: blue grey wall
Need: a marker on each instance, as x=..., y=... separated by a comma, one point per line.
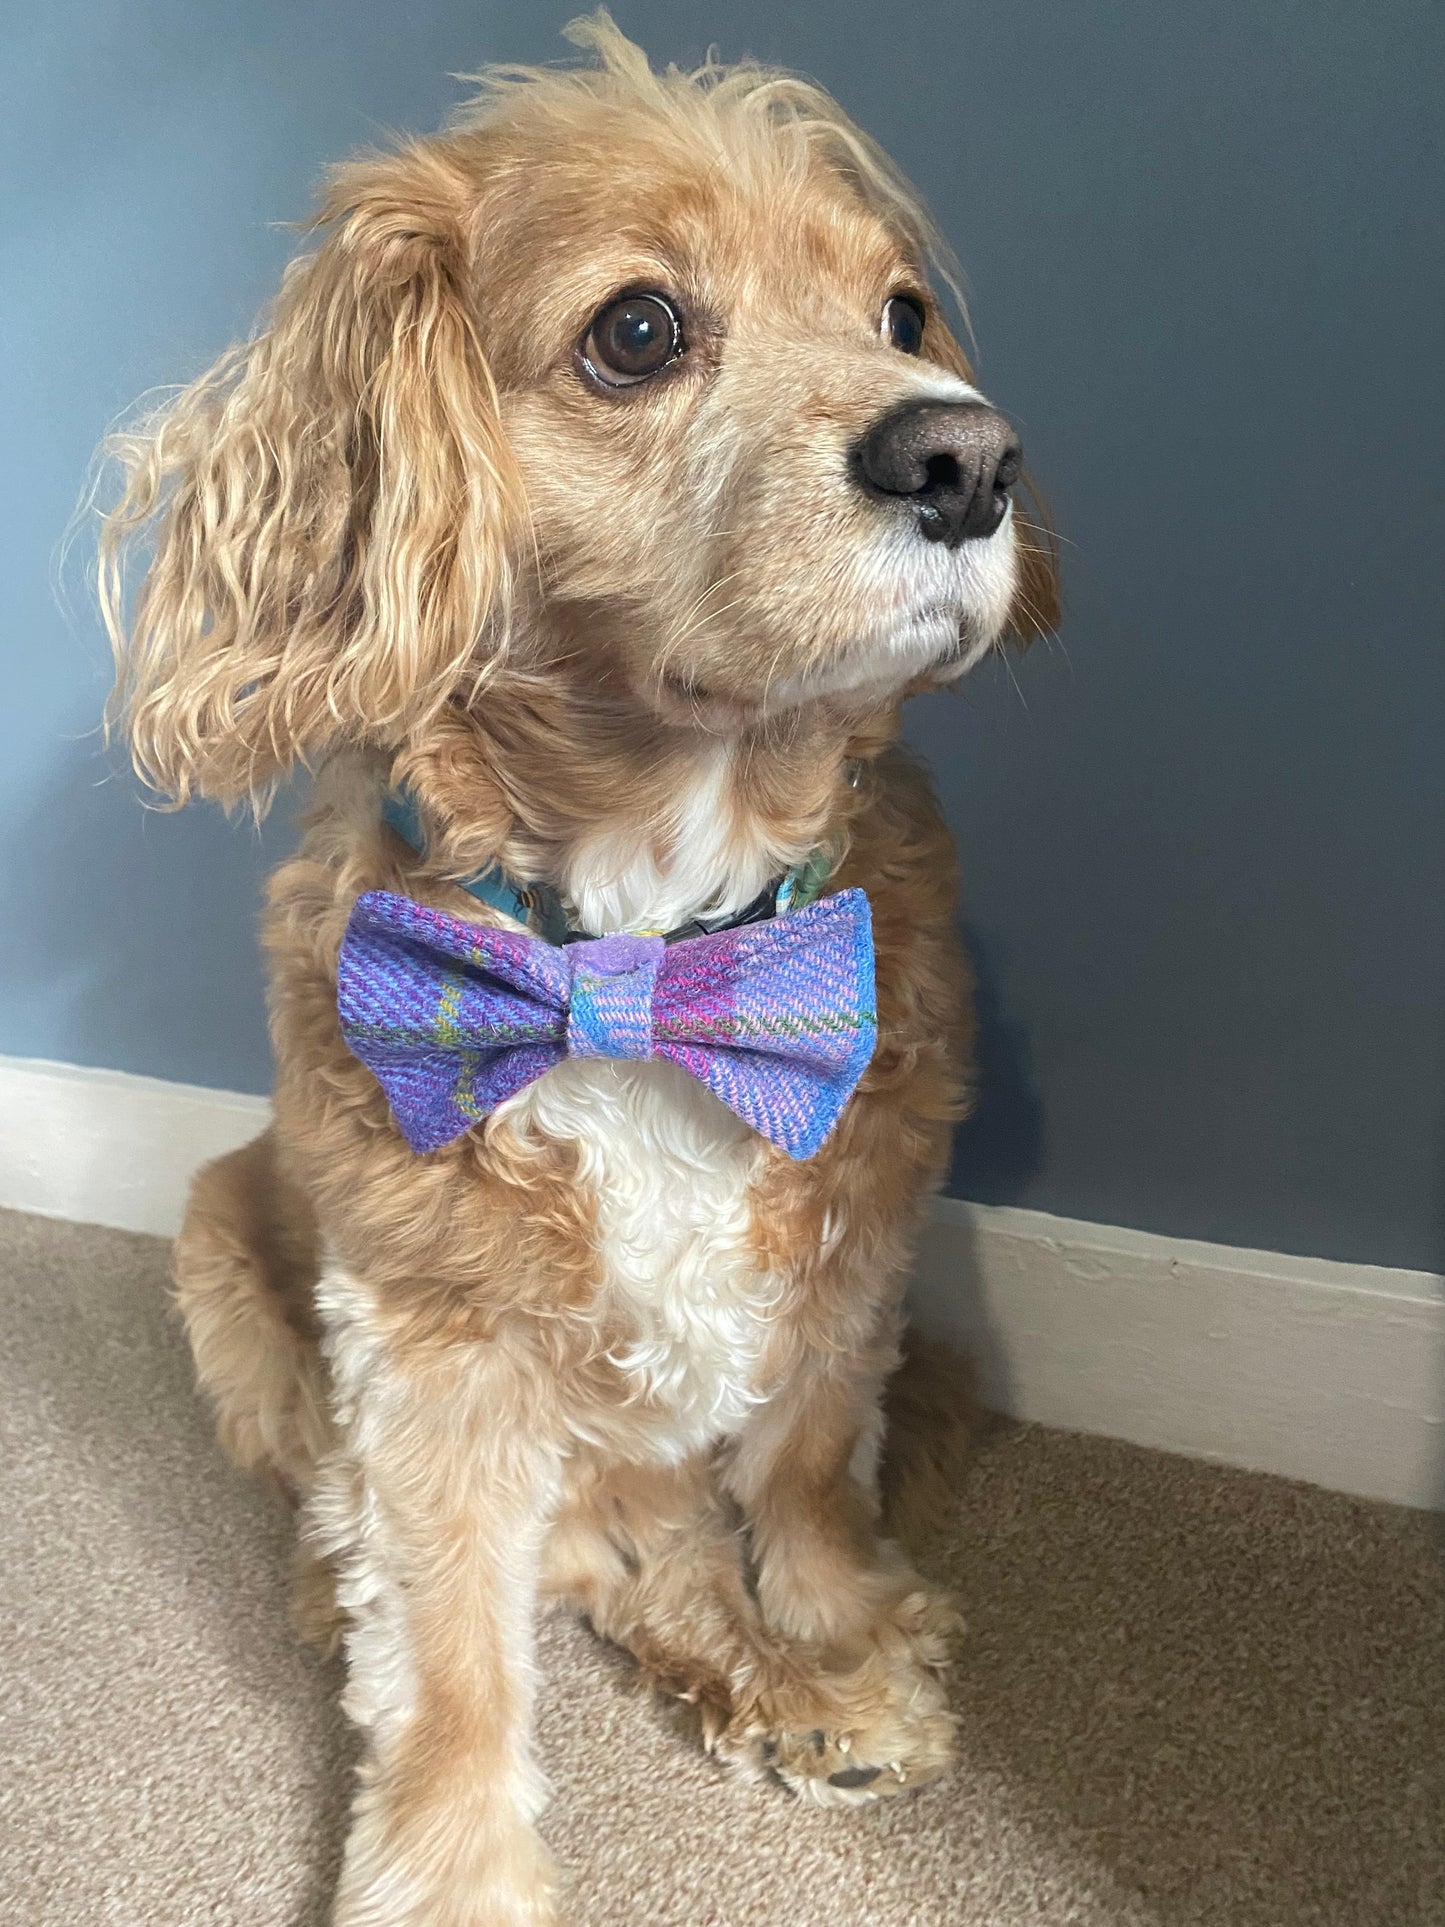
x=1203, y=835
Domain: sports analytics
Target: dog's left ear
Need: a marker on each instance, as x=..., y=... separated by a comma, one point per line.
x=1034, y=610
x=332, y=509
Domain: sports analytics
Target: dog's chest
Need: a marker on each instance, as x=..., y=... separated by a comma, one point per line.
x=668, y=1170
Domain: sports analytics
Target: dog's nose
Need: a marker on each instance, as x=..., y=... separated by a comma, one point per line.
x=954, y=462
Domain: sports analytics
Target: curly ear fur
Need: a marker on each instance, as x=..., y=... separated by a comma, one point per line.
x=332, y=505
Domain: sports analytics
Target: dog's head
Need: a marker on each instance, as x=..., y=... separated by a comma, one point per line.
x=634, y=380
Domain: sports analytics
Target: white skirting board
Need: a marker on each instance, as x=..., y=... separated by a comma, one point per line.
x=1333, y=1373
x=103, y=1147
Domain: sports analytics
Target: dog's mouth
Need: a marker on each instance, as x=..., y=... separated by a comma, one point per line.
x=921, y=641
x=684, y=689
x=680, y=698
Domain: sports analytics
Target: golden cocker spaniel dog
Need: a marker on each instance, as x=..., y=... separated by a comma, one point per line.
x=582, y=511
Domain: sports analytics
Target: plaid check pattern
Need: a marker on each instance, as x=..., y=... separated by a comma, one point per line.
x=776, y=1018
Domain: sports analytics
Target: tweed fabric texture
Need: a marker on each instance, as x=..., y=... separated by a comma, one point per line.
x=777, y=1019
x=609, y=1012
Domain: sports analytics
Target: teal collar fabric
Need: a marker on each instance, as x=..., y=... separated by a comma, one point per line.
x=539, y=908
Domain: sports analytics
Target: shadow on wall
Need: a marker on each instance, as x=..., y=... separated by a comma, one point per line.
x=999, y=1147
x=130, y=942
x=998, y=1150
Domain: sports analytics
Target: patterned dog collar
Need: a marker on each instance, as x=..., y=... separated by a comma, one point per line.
x=539, y=908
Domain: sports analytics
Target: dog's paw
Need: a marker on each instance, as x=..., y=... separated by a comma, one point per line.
x=877, y=1729
x=896, y=1733
x=919, y=1629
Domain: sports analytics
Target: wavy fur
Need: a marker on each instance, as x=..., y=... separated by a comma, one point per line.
x=648, y=647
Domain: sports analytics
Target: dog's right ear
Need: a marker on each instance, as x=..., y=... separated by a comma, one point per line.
x=330, y=510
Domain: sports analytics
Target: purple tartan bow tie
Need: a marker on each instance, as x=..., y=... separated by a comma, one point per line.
x=775, y=1018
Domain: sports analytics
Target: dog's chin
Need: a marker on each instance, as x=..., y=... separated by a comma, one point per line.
x=934, y=645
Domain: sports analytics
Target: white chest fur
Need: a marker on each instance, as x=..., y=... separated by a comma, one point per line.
x=668, y=1166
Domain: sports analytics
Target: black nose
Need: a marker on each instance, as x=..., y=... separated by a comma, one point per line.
x=954, y=462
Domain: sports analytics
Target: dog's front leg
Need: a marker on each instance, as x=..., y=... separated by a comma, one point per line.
x=803, y=1473
x=433, y=1510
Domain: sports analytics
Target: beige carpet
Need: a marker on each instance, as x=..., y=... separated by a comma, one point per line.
x=1189, y=1695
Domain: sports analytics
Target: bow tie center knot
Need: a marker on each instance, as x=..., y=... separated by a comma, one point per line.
x=609, y=1011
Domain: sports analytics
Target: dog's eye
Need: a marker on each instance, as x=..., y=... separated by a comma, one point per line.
x=631, y=339
x=903, y=324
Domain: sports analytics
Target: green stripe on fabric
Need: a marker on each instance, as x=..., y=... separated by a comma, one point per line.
x=784, y=1025
x=465, y=1092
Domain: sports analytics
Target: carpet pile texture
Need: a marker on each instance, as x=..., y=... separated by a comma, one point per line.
x=1189, y=1695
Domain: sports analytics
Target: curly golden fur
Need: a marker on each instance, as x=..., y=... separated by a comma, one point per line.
x=646, y=645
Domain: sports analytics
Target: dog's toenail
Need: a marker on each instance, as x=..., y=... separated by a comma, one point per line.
x=845, y=1743
x=851, y=1776
x=817, y=1739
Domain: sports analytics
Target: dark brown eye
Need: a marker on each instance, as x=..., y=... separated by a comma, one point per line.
x=903, y=323
x=631, y=339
